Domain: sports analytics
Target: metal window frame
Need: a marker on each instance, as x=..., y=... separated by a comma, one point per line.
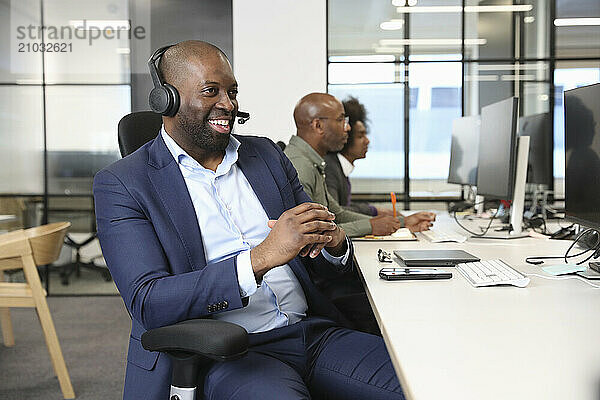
x=551, y=60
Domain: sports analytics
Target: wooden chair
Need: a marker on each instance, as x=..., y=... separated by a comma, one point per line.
x=26, y=249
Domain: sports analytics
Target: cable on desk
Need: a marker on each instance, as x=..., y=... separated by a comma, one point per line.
x=562, y=233
x=486, y=229
x=537, y=260
x=536, y=222
x=595, y=249
x=564, y=227
x=562, y=278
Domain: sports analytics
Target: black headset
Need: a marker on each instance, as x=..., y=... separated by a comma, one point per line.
x=164, y=98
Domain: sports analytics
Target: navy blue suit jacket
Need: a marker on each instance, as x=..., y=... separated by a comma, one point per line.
x=152, y=244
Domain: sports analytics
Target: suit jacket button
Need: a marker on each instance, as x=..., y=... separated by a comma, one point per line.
x=225, y=304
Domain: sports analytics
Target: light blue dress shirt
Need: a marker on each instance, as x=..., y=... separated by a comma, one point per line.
x=230, y=212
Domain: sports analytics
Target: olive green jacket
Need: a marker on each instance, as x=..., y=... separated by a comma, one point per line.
x=311, y=173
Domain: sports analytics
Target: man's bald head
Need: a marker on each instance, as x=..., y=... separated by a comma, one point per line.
x=312, y=106
x=175, y=63
x=320, y=122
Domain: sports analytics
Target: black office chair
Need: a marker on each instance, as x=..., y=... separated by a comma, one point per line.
x=66, y=270
x=137, y=129
x=191, y=345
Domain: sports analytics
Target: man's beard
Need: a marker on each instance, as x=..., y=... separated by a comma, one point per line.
x=336, y=146
x=202, y=135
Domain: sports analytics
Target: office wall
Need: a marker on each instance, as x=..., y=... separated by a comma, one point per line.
x=280, y=55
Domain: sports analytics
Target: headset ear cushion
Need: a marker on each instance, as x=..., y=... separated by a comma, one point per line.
x=174, y=97
x=159, y=100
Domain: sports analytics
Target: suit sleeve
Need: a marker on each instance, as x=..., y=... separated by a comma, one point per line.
x=134, y=254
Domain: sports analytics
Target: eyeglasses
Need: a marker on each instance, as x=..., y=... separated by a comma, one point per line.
x=345, y=120
x=384, y=256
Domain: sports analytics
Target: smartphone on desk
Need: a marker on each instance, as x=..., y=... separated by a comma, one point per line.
x=402, y=274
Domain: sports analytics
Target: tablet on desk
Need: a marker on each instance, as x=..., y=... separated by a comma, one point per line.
x=434, y=258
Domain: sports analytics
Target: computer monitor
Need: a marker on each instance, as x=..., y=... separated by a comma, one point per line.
x=539, y=130
x=582, y=155
x=464, y=151
x=498, y=149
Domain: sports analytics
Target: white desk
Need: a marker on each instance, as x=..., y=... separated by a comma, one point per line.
x=439, y=333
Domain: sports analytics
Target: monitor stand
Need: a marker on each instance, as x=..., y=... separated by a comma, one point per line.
x=470, y=193
x=518, y=200
x=540, y=194
x=479, y=205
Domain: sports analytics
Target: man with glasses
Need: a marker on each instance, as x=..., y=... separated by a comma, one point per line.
x=322, y=126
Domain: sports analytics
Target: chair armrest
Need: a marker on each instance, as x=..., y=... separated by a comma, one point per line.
x=216, y=340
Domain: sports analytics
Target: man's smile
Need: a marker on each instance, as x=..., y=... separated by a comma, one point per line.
x=220, y=125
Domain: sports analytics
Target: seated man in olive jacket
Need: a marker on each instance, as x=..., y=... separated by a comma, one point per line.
x=322, y=127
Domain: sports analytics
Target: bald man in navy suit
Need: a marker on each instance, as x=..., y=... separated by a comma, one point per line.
x=200, y=223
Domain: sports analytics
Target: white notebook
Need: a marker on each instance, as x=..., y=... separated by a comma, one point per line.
x=400, y=234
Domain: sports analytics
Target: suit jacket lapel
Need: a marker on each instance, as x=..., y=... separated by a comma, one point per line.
x=170, y=186
x=261, y=179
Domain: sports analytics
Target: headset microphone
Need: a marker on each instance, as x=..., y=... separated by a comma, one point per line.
x=242, y=117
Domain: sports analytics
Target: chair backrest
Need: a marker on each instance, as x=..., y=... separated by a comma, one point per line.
x=46, y=241
x=42, y=242
x=281, y=145
x=137, y=129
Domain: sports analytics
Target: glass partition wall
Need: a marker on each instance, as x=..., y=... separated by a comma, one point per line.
x=64, y=89
x=419, y=64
